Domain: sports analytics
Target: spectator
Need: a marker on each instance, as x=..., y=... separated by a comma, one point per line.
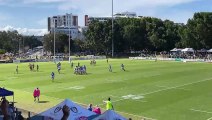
x=66, y=112
x=90, y=107
x=38, y=94
x=4, y=109
x=97, y=110
x=35, y=94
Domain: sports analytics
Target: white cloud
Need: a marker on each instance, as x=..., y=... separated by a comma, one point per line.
x=103, y=7
x=25, y=31
x=99, y=6
x=43, y=1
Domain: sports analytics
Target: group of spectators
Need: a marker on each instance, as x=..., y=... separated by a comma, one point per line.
x=187, y=55
x=8, y=111
x=97, y=110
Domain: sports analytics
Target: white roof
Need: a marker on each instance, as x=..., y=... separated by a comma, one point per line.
x=188, y=50
x=209, y=50
x=176, y=50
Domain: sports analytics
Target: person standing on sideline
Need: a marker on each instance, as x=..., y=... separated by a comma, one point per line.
x=38, y=94
x=109, y=105
x=35, y=94
x=90, y=107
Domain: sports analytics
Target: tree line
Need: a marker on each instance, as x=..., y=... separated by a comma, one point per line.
x=11, y=41
x=129, y=34
x=152, y=34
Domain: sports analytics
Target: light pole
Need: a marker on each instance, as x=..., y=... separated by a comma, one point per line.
x=112, y=32
x=54, y=38
x=19, y=49
x=69, y=39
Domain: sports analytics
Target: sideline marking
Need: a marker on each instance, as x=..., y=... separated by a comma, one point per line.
x=202, y=111
x=73, y=88
x=174, y=88
x=137, y=116
x=169, y=88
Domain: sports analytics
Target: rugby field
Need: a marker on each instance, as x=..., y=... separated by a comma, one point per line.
x=159, y=90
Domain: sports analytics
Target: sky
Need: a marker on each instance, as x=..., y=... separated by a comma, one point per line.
x=29, y=17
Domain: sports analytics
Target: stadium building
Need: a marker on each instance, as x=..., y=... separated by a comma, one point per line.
x=66, y=24
x=88, y=19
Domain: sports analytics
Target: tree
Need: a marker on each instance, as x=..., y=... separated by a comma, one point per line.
x=61, y=43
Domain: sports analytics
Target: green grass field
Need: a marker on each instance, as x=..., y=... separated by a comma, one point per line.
x=160, y=90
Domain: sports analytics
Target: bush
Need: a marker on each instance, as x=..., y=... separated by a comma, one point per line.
x=2, y=51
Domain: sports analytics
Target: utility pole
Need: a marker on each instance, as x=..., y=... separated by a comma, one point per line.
x=54, y=37
x=19, y=49
x=69, y=36
x=112, y=32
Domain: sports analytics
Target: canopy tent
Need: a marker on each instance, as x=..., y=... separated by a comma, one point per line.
x=109, y=115
x=210, y=51
x=55, y=113
x=5, y=92
x=202, y=50
x=176, y=50
x=188, y=50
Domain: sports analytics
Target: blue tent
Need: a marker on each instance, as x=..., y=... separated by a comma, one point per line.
x=4, y=92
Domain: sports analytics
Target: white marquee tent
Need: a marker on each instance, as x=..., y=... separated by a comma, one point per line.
x=110, y=115
x=56, y=113
x=176, y=50
x=188, y=50
x=210, y=51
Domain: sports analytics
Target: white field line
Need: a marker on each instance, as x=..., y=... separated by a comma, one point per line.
x=168, y=88
x=209, y=118
x=137, y=115
x=175, y=88
x=51, y=97
x=128, y=99
x=202, y=111
x=161, y=86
